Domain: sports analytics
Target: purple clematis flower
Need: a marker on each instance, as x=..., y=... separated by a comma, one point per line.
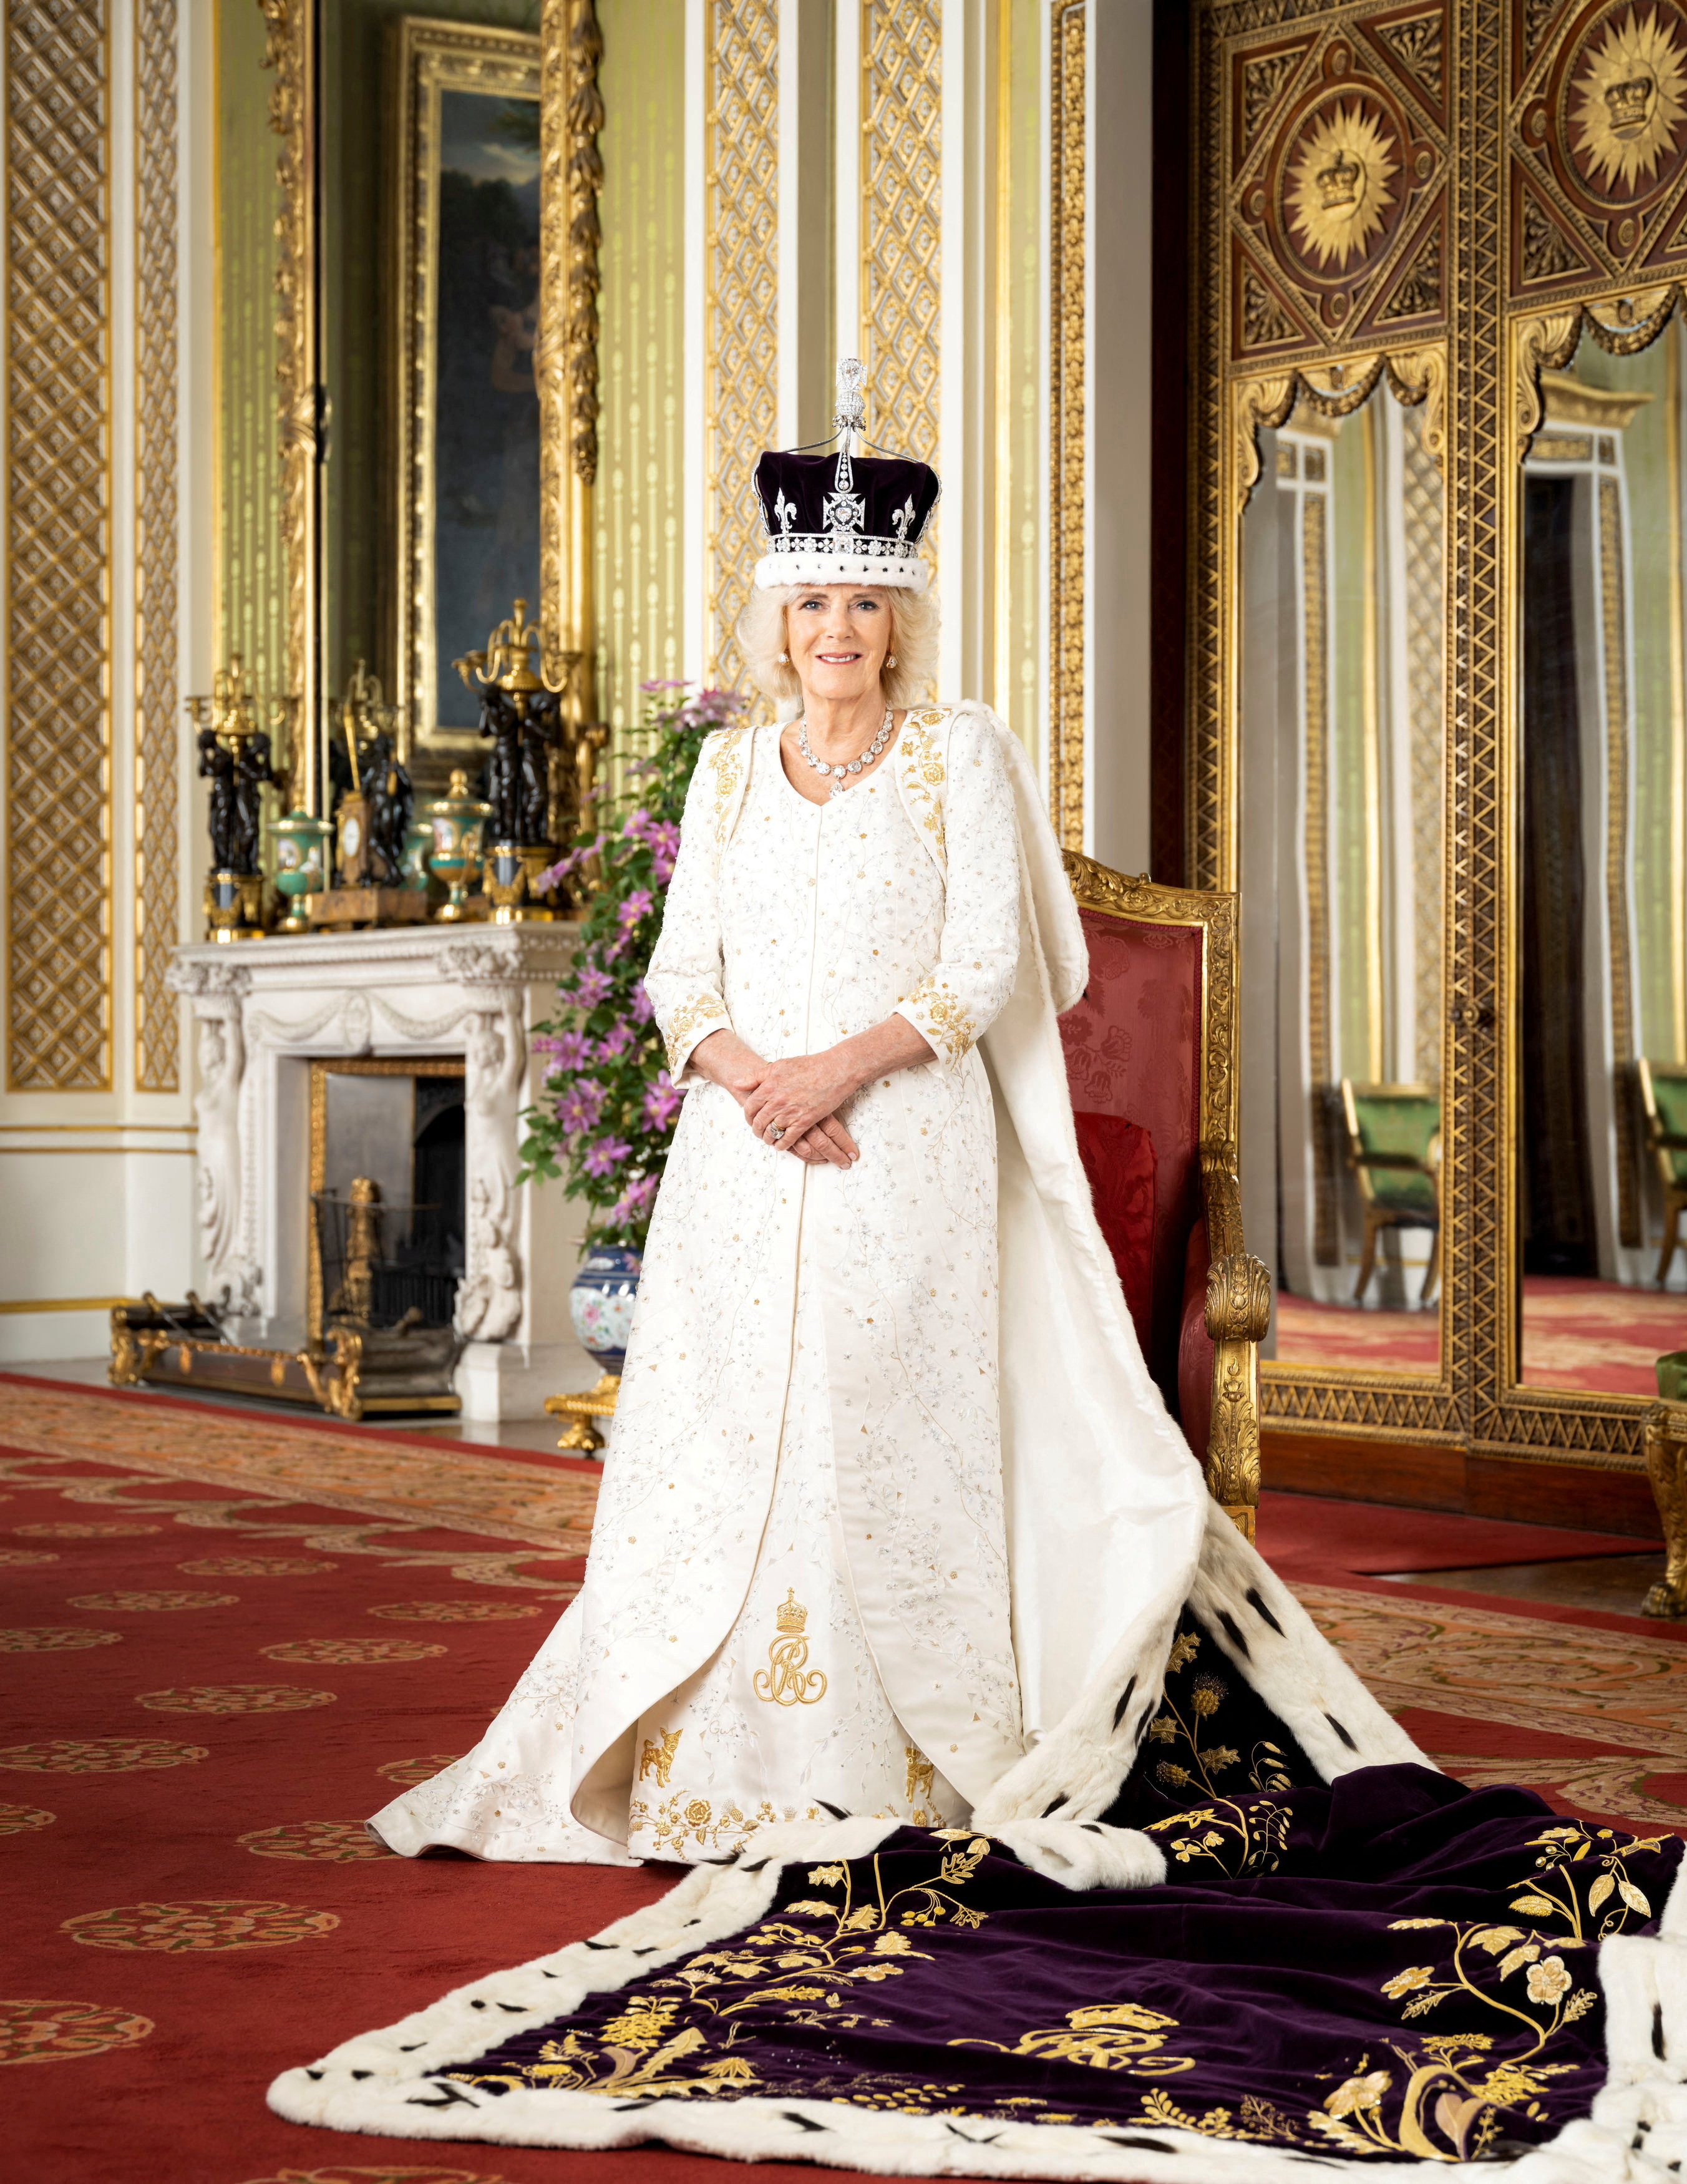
x=639, y=1003
x=661, y=1101
x=592, y=984
x=634, y=1202
x=605, y=1156
x=580, y=1106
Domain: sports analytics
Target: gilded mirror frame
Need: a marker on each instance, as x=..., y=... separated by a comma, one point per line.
x=1272, y=325
x=571, y=116
x=1505, y=233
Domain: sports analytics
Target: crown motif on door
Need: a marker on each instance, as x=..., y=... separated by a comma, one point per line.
x=1338, y=182
x=1627, y=103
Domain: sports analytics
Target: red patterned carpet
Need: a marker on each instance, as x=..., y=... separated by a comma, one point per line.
x=1576, y=1335
x=225, y=1647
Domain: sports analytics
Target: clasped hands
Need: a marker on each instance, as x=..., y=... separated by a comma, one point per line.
x=800, y=1099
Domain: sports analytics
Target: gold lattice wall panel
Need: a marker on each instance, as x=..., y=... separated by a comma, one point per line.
x=901, y=220
x=57, y=513
x=157, y=878
x=1067, y=301
x=742, y=366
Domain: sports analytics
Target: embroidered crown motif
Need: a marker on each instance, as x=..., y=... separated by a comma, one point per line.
x=792, y=1618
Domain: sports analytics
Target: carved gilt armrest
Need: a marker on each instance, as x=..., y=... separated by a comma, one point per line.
x=1665, y=1442
x=1238, y=1314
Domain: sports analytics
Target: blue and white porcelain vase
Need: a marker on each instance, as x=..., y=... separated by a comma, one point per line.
x=600, y=1303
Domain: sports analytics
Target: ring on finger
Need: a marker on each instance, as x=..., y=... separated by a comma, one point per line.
x=775, y=1131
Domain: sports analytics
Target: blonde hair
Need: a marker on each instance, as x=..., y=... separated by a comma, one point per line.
x=763, y=640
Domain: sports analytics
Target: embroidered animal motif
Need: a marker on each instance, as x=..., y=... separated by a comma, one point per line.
x=920, y=1773
x=657, y=1759
x=782, y=1680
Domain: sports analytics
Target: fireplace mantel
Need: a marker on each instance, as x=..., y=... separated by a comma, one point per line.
x=266, y=1009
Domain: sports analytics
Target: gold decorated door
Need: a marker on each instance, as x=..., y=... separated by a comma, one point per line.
x=1438, y=723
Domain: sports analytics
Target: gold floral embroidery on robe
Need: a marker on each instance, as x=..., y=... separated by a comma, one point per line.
x=700, y=1009
x=947, y=1023
x=1447, y=2099
x=1237, y=1838
x=1183, y=1727
x=685, y=1819
x=814, y=1963
x=728, y=762
x=922, y=770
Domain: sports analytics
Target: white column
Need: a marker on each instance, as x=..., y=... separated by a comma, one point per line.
x=847, y=151
x=965, y=457
x=806, y=359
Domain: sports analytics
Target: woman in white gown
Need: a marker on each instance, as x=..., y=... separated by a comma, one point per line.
x=891, y=1498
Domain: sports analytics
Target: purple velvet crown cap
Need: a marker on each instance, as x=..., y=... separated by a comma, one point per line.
x=843, y=519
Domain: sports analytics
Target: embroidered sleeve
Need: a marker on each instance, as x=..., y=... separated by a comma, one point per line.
x=685, y=978
x=954, y=1004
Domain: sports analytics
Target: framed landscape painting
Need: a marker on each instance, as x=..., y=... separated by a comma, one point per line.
x=466, y=191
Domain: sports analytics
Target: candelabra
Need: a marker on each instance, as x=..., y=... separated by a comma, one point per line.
x=539, y=773
x=236, y=728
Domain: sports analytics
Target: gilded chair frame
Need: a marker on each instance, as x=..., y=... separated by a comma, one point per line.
x=1238, y=1287
x=1494, y=256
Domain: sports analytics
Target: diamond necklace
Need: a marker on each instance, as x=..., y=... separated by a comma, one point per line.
x=852, y=766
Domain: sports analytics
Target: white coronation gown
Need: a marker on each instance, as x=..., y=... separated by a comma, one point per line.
x=802, y=1591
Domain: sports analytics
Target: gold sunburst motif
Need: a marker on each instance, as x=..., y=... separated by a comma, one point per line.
x=1628, y=97
x=1339, y=183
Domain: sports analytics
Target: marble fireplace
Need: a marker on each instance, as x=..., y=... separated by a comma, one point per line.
x=266, y=1011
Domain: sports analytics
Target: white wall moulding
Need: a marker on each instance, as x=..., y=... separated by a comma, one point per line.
x=266, y=1011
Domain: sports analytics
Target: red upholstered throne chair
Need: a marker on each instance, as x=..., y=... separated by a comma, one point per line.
x=1151, y=1058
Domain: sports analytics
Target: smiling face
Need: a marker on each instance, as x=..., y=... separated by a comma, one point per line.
x=837, y=636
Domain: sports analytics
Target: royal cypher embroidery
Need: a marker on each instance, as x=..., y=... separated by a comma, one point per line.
x=783, y=1682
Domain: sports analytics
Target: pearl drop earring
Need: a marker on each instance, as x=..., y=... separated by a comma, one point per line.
x=784, y=660
x=890, y=659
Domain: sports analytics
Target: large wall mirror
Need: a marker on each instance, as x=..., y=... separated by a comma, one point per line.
x=1437, y=724
x=1601, y=805
x=1341, y=728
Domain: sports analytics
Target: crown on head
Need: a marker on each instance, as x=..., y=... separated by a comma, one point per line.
x=792, y=1617
x=847, y=518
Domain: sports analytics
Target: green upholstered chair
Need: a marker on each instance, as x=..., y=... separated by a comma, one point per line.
x=1663, y=1095
x=1394, y=1147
